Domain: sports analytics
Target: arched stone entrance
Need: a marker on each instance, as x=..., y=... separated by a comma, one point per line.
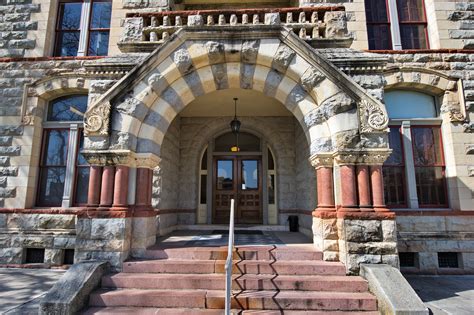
x=345, y=128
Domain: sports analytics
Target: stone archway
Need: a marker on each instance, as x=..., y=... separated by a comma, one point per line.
x=344, y=126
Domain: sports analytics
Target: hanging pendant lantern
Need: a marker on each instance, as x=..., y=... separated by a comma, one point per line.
x=235, y=127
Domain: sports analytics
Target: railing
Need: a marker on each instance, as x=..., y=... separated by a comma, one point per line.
x=310, y=23
x=228, y=263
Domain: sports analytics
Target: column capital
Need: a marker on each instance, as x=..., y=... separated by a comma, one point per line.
x=121, y=157
x=362, y=157
x=321, y=160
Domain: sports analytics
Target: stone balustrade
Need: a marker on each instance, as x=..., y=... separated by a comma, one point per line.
x=321, y=27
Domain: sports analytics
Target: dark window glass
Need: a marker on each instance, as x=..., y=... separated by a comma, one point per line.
x=204, y=161
x=448, y=260
x=412, y=21
x=68, y=257
x=101, y=13
x=34, y=256
x=225, y=175
x=249, y=174
x=98, y=43
x=69, y=15
x=407, y=259
x=82, y=175
x=203, y=197
x=429, y=166
x=68, y=29
x=68, y=108
x=378, y=24
x=271, y=162
x=271, y=189
x=67, y=44
x=53, y=167
x=394, y=171
x=246, y=142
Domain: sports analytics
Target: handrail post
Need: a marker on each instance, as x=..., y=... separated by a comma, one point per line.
x=228, y=263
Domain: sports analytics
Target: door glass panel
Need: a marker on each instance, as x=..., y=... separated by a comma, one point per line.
x=249, y=174
x=225, y=175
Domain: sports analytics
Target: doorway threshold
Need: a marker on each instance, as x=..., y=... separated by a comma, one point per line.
x=238, y=227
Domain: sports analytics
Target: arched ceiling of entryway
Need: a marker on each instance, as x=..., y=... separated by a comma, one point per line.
x=220, y=103
x=133, y=116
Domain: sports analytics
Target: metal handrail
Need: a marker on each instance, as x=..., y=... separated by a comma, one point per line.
x=228, y=263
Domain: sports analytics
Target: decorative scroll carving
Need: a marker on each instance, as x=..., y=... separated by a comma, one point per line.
x=96, y=122
x=373, y=117
x=321, y=160
x=366, y=157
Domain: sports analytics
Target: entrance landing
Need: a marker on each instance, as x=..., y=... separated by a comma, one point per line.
x=218, y=238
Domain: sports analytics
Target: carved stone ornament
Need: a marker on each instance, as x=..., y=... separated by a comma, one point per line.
x=366, y=157
x=455, y=115
x=96, y=122
x=321, y=160
x=373, y=117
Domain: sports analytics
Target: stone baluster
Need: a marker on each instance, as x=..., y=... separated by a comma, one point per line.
x=315, y=33
x=245, y=19
x=178, y=21
x=154, y=21
x=210, y=20
x=289, y=18
x=302, y=33
x=255, y=19
x=165, y=35
x=221, y=19
x=166, y=21
x=302, y=17
x=314, y=17
x=153, y=37
x=95, y=179
x=233, y=19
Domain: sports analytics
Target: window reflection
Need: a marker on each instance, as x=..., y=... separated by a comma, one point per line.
x=225, y=175
x=68, y=108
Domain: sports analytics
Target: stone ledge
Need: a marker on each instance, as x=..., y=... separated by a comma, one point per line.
x=70, y=294
x=356, y=215
x=394, y=294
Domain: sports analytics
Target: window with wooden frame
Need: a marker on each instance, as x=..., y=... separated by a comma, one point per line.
x=396, y=24
x=63, y=171
x=414, y=174
x=83, y=28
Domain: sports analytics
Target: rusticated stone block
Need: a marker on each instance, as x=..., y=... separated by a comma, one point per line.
x=40, y=221
x=32, y=241
x=133, y=30
x=7, y=192
x=64, y=242
x=363, y=230
x=3, y=220
x=372, y=248
x=391, y=260
x=11, y=255
x=353, y=261
x=53, y=256
x=336, y=24
x=389, y=230
x=107, y=229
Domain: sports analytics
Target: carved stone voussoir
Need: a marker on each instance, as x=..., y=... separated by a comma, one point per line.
x=96, y=122
x=373, y=117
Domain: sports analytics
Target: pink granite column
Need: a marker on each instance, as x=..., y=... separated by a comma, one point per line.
x=348, y=188
x=107, y=191
x=95, y=178
x=377, y=188
x=363, y=187
x=325, y=188
x=142, y=195
x=121, y=186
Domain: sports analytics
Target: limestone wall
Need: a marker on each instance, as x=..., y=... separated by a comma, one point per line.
x=53, y=232
x=426, y=236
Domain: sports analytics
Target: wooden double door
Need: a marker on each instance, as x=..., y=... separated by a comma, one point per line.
x=240, y=178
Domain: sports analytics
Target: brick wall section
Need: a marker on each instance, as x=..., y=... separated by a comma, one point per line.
x=15, y=26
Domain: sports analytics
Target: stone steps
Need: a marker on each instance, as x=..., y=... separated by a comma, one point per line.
x=195, y=311
x=266, y=280
x=251, y=299
x=294, y=267
x=243, y=282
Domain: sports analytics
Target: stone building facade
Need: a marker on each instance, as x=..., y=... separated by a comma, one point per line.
x=141, y=96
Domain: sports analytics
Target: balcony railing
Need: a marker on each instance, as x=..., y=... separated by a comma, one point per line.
x=322, y=26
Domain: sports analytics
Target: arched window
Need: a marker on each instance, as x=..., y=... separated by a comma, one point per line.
x=414, y=174
x=63, y=171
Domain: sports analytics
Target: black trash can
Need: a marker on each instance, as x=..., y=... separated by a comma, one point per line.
x=293, y=219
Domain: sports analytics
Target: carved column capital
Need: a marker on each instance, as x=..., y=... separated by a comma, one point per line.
x=321, y=160
x=363, y=157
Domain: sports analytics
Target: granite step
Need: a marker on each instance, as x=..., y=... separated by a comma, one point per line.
x=303, y=252
x=244, y=282
x=246, y=300
x=282, y=267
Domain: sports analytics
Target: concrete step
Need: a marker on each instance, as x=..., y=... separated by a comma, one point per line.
x=305, y=267
x=300, y=252
x=150, y=311
x=194, y=311
x=244, y=282
x=248, y=300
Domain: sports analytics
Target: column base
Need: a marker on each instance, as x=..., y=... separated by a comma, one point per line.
x=366, y=209
x=381, y=209
x=348, y=209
